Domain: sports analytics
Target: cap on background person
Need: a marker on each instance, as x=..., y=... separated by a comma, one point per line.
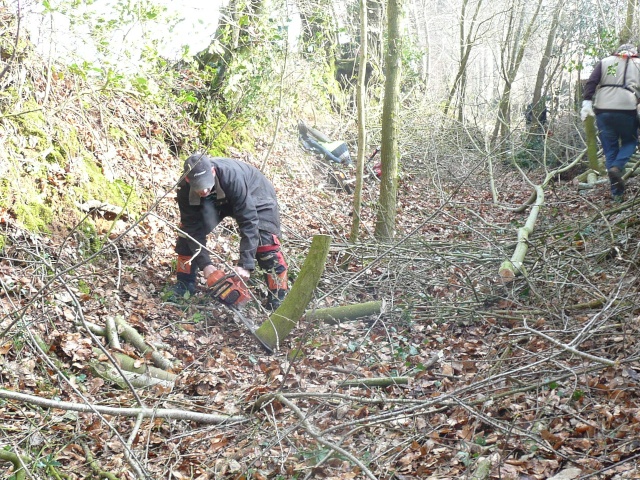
x=627, y=50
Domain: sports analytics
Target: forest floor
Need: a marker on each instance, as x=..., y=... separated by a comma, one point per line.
x=533, y=379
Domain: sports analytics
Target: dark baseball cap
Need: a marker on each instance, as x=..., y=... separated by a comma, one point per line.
x=199, y=175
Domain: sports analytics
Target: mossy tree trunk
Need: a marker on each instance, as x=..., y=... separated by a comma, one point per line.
x=387, y=203
x=286, y=317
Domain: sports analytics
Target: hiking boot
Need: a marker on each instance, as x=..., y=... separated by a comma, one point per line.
x=617, y=183
x=274, y=299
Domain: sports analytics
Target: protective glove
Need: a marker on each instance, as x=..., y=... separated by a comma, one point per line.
x=587, y=110
x=243, y=273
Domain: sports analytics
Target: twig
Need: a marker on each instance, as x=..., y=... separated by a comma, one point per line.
x=568, y=348
x=312, y=431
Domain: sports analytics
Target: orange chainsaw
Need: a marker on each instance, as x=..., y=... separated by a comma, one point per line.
x=228, y=289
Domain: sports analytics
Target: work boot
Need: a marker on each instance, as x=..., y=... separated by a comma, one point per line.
x=183, y=289
x=617, y=183
x=274, y=299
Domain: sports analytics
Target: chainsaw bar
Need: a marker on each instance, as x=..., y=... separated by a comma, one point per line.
x=251, y=329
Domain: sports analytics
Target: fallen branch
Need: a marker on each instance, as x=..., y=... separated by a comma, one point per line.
x=169, y=413
x=95, y=467
x=107, y=372
x=335, y=315
x=111, y=331
x=510, y=268
x=131, y=335
x=564, y=346
x=129, y=364
x=375, y=382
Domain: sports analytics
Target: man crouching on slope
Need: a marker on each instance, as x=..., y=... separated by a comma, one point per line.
x=215, y=188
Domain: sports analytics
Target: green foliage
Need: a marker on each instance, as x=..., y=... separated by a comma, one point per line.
x=412, y=57
x=602, y=44
x=480, y=440
x=595, y=42
x=577, y=395
x=83, y=287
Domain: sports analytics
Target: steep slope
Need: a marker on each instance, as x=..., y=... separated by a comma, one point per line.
x=517, y=381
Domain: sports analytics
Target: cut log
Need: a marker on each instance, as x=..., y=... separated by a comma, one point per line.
x=510, y=268
x=592, y=145
x=335, y=315
x=285, y=318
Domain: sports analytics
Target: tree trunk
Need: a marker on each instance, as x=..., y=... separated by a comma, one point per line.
x=285, y=318
x=387, y=203
x=362, y=123
x=626, y=33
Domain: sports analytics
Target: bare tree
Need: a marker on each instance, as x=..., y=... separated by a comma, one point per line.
x=362, y=118
x=516, y=37
x=538, y=106
x=467, y=37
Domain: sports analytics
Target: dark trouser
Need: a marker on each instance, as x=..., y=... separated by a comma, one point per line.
x=618, y=133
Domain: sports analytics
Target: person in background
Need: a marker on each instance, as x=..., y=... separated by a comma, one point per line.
x=612, y=93
x=214, y=188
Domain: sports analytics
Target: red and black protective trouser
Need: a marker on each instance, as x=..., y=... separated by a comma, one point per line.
x=268, y=255
x=271, y=260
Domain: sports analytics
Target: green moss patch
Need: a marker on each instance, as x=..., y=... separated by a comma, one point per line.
x=34, y=216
